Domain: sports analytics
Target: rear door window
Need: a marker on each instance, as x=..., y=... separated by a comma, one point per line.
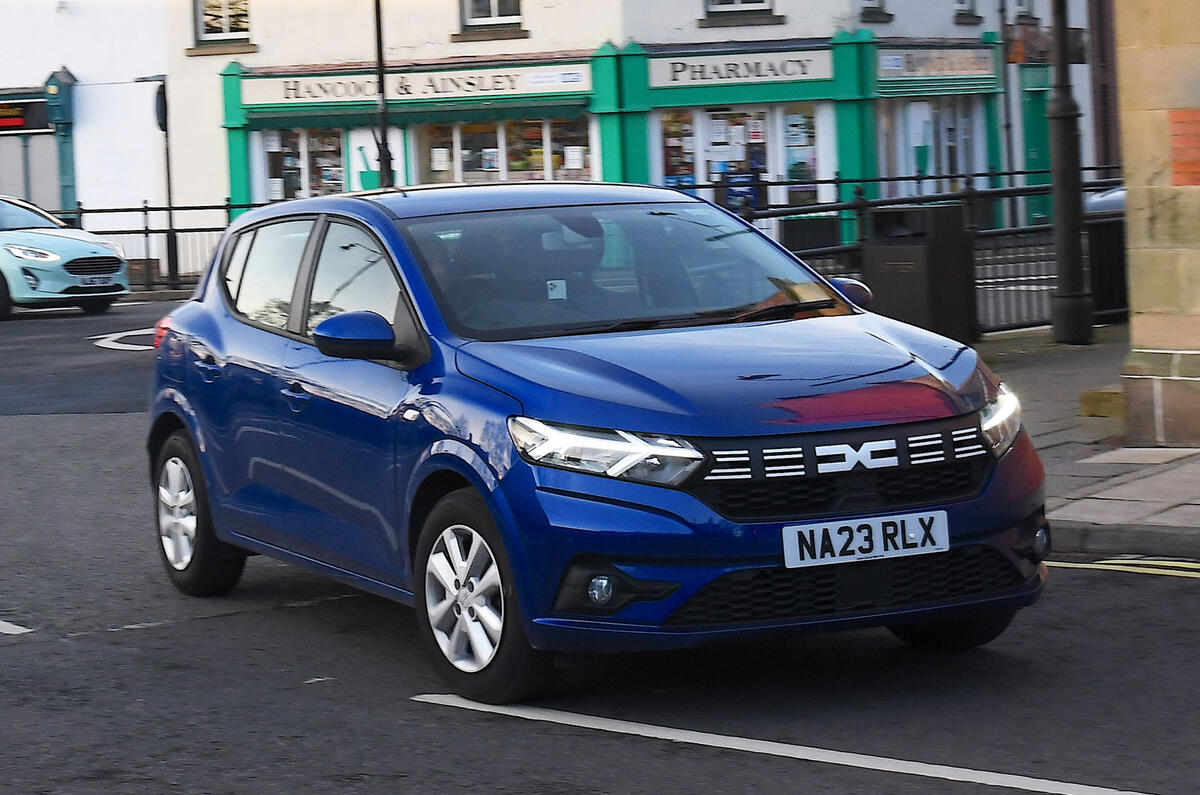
x=269, y=277
x=353, y=274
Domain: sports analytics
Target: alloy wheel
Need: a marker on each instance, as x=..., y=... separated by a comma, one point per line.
x=464, y=598
x=177, y=513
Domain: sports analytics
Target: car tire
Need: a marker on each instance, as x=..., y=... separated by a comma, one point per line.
x=466, y=603
x=97, y=307
x=5, y=299
x=197, y=562
x=957, y=634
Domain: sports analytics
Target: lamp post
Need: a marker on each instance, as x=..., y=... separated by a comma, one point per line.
x=1072, y=310
x=385, y=153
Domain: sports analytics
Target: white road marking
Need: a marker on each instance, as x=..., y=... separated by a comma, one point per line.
x=113, y=341
x=317, y=679
x=802, y=752
x=13, y=629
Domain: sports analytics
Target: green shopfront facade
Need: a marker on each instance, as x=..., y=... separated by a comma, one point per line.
x=795, y=110
x=300, y=131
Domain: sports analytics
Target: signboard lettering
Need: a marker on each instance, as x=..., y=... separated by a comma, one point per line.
x=771, y=67
x=24, y=116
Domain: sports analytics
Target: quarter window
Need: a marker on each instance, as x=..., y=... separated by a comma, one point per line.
x=353, y=274
x=237, y=263
x=491, y=12
x=264, y=294
x=222, y=19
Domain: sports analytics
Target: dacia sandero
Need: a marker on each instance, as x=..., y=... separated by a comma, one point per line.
x=582, y=418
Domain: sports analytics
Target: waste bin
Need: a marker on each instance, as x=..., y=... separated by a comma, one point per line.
x=920, y=264
x=1106, y=265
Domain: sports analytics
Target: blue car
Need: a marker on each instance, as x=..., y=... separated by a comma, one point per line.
x=45, y=263
x=582, y=418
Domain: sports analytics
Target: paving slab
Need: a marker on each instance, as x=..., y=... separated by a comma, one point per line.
x=1141, y=455
x=1179, y=516
x=1105, y=512
x=1174, y=486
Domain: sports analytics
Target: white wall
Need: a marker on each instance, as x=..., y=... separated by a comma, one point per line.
x=675, y=21
x=307, y=32
x=106, y=44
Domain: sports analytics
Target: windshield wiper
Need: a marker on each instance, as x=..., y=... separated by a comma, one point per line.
x=777, y=310
x=632, y=324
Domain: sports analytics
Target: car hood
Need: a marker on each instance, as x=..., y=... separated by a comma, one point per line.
x=737, y=380
x=66, y=242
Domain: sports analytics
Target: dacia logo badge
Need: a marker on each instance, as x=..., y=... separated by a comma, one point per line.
x=845, y=457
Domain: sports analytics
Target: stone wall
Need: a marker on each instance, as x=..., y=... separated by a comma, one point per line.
x=1158, y=66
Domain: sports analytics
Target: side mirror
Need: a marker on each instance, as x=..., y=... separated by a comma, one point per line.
x=853, y=291
x=356, y=335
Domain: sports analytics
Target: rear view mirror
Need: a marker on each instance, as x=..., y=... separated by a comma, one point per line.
x=853, y=291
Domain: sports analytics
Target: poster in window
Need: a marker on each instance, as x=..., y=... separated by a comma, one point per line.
x=737, y=134
x=797, y=130
x=490, y=158
x=439, y=159
x=573, y=157
x=272, y=141
x=755, y=134
x=720, y=131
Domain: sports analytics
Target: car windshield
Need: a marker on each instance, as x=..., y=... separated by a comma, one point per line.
x=20, y=216
x=514, y=274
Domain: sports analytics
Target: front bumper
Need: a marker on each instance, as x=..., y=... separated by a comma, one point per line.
x=56, y=287
x=668, y=537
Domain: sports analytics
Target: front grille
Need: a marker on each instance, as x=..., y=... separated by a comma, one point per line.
x=93, y=266
x=777, y=478
x=780, y=499
x=782, y=594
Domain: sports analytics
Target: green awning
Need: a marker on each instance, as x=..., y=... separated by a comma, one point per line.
x=365, y=115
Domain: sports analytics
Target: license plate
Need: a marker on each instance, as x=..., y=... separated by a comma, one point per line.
x=846, y=540
x=95, y=281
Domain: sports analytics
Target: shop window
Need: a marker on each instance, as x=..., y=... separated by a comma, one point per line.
x=479, y=152
x=302, y=163
x=737, y=153
x=325, y=171
x=222, y=20
x=569, y=145
x=525, y=150
x=800, y=149
x=491, y=12
x=435, y=145
x=679, y=149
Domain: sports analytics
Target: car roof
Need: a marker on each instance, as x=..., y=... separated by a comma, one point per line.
x=425, y=200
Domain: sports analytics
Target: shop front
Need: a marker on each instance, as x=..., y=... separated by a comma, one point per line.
x=736, y=118
x=298, y=132
x=937, y=114
x=36, y=162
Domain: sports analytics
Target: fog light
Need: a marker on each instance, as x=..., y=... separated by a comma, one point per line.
x=600, y=590
x=31, y=278
x=1041, y=544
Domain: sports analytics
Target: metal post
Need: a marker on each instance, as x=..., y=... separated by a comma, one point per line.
x=1072, y=310
x=385, y=153
x=1004, y=100
x=147, y=276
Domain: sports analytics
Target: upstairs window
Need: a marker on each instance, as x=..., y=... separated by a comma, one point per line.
x=492, y=12
x=717, y=6
x=220, y=20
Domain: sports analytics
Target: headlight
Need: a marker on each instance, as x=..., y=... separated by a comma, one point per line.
x=33, y=254
x=650, y=458
x=1001, y=420
x=116, y=247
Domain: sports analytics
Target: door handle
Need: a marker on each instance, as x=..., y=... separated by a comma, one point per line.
x=296, y=395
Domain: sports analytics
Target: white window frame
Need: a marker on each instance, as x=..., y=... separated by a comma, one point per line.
x=226, y=34
x=965, y=6
x=493, y=19
x=737, y=5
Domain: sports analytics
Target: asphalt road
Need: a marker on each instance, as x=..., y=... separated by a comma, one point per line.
x=295, y=683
